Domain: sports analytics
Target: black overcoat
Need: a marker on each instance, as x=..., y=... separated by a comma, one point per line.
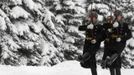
x=111, y=46
x=88, y=46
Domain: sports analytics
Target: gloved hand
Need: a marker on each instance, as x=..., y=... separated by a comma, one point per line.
x=118, y=39
x=91, y=26
x=116, y=24
x=109, y=30
x=93, y=41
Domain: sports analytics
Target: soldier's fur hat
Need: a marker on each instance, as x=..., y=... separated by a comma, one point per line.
x=117, y=13
x=92, y=14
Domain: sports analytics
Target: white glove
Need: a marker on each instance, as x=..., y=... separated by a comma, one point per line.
x=109, y=30
x=91, y=26
x=93, y=41
x=116, y=24
x=118, y=39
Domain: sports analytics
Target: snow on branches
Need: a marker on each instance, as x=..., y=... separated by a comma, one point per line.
x=18, y=12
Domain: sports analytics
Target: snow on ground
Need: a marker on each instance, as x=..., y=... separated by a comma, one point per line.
x=65, y=68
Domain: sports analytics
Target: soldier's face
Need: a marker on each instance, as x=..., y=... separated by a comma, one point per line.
x=119, y=18
x=109, y=19
x=94, y=19
x=89, y=19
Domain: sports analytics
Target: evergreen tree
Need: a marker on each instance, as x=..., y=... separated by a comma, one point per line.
x=26, y=28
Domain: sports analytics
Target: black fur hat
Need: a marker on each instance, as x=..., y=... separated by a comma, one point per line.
x=117, y=13
x=93, y=14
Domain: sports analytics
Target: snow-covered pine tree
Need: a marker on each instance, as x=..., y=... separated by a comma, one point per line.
x=71, y=13
x=30, y=34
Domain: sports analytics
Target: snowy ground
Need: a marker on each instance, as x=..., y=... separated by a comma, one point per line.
x=65, y=68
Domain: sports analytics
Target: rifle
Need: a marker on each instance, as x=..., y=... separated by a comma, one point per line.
x=84, y=60
x=112, y=59
x=109, y=60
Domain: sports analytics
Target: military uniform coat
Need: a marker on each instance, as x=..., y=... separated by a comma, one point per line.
x=111, y=46
x=89, y=47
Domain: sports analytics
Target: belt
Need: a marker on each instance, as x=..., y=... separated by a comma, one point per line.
x=89, y=38
x=114, y=36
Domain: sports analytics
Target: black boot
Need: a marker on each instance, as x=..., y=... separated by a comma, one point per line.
x=115, y=71
x=118, y=71
x=112, y=71
x=93, y=71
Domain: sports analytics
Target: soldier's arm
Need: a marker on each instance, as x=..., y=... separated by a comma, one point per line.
x=101, y=34
x=84, y=25
x=104, y=59
x=82, y=28
x=105, y=54
x=104, y=32
x=128, y=34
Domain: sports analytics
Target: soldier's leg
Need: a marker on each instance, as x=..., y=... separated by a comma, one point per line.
x=112, y=71
x=118, y=71
x=93, y=71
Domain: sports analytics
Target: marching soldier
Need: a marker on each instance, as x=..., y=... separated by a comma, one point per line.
x=116, y=35
x=93, y=39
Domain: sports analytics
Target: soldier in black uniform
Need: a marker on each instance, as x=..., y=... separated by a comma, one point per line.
x=93, y=39
x=116, y=35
